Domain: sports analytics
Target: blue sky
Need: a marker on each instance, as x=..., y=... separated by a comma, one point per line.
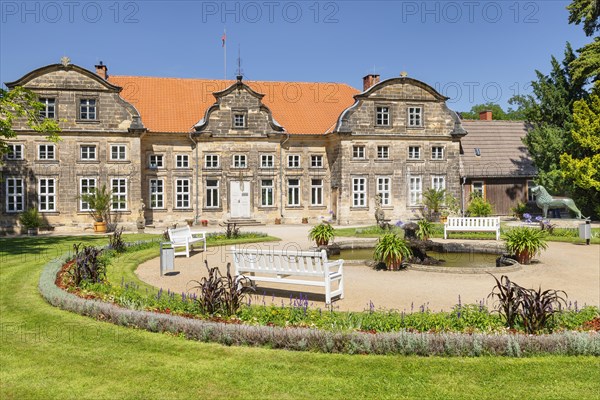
x=471, y=51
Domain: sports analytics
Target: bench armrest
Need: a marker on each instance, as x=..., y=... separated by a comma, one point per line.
x=334, y=265
x=203, y=234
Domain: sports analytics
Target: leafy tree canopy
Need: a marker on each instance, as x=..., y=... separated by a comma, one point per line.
x=20, y=103
x=587, y=66
x=497, y=112
x=586, y=12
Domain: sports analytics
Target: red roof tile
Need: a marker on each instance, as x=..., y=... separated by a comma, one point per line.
x=176, y=104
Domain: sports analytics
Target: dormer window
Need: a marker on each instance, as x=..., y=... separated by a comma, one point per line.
x=239, y=119
x=415, y=117
x=87, y=109
x=382, y=116
x=49, y=107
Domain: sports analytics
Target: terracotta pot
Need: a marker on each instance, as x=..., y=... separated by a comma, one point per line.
x=523, y=257
x=305, y=220
x=443, y=219
x=100, y=227
x=204, y=222
x=277, y=221
x=322, y=243
x=394, y=266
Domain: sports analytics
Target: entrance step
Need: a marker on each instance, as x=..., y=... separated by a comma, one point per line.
x=242, y=222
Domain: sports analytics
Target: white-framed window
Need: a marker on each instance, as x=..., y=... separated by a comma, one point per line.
x=239, y=120
x=211, y=161
x=437, y=152
x=293, y=198
x=157, y=193
x=182, y=161
x=118, y=152
x=479, y=188
x=383, y=152
x=182, y=193
x=47, y=194
x=87, y=109
x=530, y=194
x=156, y=161
x=382, y=116
x=239, y=161
x=438, y=182
x=87, y=152
x=118, y=186
x=293, y=161
x=415, y=190
x=384, y=190
x=358, y=152
x=266, y=192
x=15, y=195
x=49, y=109
x=414, y=152
x=86, y=186
x=359, y=192
x=212, y=193
x=316, y=161
x=15, y=152
x=316, y=192
x=46, y=152
x=267, y=161
x=415, y=116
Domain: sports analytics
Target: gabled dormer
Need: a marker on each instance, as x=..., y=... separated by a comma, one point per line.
x=238, y=111
x=80, y=99
x=399, y=106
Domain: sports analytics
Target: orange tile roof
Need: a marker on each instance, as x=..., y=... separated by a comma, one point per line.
x=176, y=104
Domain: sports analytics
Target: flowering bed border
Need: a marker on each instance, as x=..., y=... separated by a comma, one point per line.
x=304, y=339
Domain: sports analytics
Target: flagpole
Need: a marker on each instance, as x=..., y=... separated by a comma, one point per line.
x=225, y=53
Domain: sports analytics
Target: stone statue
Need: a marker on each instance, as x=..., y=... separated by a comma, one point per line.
x=545, y=201
x=380, y=214
x=141, y=220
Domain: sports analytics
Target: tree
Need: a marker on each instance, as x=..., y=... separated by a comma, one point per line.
x=587, y=66
x=549, y=111
x=581, y=166
x=497, y=111
x=20, y=103
x=586, y=11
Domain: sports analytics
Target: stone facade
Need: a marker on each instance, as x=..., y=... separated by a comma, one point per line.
x=49, y=175
x=238, y=162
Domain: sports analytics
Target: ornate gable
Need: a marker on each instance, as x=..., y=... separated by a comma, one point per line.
x=238, y=111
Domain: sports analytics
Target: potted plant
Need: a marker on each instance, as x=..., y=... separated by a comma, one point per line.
x=321, y=234
x=31, y=220
x=305, y=220
x=277, y=221
x=391, y=249
x=433, y=199
x=524, y=243
x=99, y=205
x=425, y=229
x=204, y=222
x=519, y=210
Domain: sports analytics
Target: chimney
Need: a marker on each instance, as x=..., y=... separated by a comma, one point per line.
x=485, y=115
x=102, y=71
x=369, y=81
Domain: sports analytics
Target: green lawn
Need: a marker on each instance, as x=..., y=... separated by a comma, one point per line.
x=49, y=353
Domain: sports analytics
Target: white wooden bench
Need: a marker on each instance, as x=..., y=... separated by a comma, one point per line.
x=279, y=265
x=183, y=237
x=472, y=224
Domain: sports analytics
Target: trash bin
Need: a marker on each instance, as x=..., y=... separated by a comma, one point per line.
x=585, y=232
x=167, y=258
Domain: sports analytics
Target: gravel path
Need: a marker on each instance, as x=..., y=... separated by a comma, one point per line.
x=574, y=268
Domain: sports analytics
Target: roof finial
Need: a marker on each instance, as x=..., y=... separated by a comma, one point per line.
x=403, y=74
x=65, y=61
x=240, y=72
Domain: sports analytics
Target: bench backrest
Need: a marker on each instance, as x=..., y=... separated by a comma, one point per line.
x=473, y=222
x=280, y=261
x=178, y=234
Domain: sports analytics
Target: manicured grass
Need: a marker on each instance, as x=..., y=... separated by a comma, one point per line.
x=559, y=235
x=49, y=353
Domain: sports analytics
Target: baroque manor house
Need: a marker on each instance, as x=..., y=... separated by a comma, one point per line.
x=227, y=150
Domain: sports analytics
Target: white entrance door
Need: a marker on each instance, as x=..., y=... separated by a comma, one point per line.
x=240, y=199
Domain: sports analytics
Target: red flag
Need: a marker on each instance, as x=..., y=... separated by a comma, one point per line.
x=223, y=38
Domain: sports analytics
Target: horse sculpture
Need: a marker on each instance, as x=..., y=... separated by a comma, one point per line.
x=545, y=201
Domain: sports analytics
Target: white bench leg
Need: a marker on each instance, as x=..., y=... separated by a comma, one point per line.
x=327, y=290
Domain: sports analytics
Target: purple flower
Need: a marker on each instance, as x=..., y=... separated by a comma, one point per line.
x=538, y=218
x=527, y=216
x=399, y=224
